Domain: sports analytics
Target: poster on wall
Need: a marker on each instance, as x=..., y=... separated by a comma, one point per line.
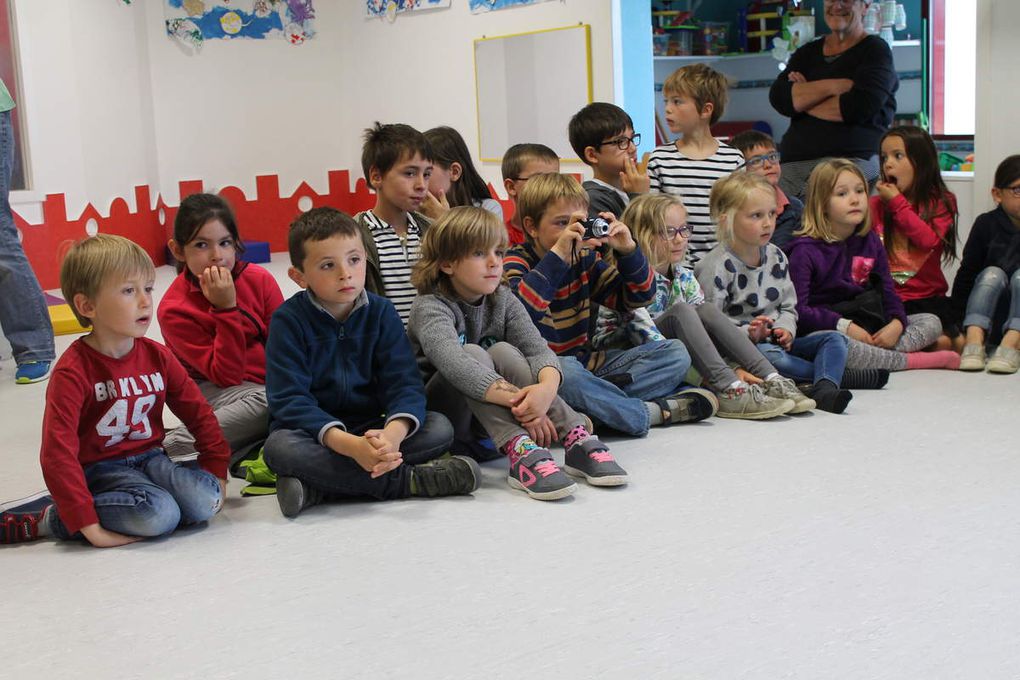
x=391, y=8
x=479, y=6
x=192, y=22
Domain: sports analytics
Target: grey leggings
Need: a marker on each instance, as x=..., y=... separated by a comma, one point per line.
x=497, y=420
x=921, y=331
x=701, y=328
x=241, y=411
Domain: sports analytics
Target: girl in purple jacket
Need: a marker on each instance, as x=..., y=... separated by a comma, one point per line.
x=839, y=269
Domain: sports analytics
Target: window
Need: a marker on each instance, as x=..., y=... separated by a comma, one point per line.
x=952, y=37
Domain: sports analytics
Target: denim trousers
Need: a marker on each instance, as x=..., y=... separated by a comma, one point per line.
x=986, y=298
x=147, y=495
x=23, y=313
x=815, y=357
x=651, y=371
x=295, y=453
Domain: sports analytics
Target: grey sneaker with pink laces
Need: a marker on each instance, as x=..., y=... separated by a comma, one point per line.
x=591, y=459
x=539, y=476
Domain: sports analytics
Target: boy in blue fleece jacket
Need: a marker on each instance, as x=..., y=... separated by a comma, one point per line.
x=346, y=400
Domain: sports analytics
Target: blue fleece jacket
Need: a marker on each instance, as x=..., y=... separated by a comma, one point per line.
x=323, y=373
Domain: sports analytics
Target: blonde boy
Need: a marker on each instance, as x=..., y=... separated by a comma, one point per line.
x=110, y=480
x=696, y=97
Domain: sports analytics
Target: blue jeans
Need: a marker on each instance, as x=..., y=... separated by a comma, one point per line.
x=986, y=296
x=295, y=453
x=819, y=356
x=656, y=369
x=23, y=313
x=147, y=495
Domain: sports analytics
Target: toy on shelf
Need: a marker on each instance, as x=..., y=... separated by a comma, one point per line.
x=759, y=23
x=673, y=34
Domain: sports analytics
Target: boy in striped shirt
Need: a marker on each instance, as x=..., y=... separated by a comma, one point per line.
x=559, y=276
x=397, y=162
x=696, y=97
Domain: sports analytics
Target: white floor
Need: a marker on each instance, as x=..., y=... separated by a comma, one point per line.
x=884, y=543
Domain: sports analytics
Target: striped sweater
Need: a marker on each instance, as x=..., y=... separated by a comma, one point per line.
x=671, y=172
x=558, y=296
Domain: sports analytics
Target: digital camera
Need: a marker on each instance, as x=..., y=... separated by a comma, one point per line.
x=595, y=227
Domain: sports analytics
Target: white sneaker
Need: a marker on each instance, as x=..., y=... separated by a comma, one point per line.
x=749, y=402
x=784, y=388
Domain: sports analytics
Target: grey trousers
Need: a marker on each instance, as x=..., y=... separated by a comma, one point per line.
x=242, y=412
x=496, y=420
x=705, y=331
x=921, y=331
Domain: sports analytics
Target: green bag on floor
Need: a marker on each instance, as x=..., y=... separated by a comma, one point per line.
x=262, y=480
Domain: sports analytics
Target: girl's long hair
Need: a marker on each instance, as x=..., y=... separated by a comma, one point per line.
x=448, y=147
x=815, y=222
x=928, y=194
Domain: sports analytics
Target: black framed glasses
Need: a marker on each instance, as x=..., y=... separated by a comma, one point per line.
x=623, y=143
x=670, y=233
x=755, y=162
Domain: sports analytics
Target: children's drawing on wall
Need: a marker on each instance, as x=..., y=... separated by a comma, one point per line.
x=391, y=8
x=478, y=6
x=192, y=22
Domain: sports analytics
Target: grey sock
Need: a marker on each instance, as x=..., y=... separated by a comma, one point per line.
x=654, y=414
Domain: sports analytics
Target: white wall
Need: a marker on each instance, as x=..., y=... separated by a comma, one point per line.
x=110, y=102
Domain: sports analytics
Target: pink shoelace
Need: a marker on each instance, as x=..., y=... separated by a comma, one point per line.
x=601, y=456
x=546, y=468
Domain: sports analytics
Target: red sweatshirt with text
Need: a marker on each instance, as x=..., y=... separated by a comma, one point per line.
x=100, y=408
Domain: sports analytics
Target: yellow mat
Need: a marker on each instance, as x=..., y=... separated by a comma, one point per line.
x=63, y=320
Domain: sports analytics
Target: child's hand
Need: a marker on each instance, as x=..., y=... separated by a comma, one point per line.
x=223, y=493
x=857, y=333
x=541, y=430
x=532, y=402
x=374, y=456
x=749, y=378
x=218, y=287
x=619, y=238
x=887, y=191
x=888, y=335
x=434, y=207
x=783, y=337
x=634, y=176
x=570, y=237
x=104, y=538
x=758, y=329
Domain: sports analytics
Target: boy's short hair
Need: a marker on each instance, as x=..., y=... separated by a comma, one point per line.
x=701, y=83
x=318, y=224
x=385, y=145
x=593, y=124
x=820, y=184
x=748, y=139
x=541, y=190
x=727, y=197
x=518, y=155
x=451, y=238
x=89, y=263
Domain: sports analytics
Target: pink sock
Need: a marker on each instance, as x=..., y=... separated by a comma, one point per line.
x=518, y=447
x=947, y=359
x=578, y=434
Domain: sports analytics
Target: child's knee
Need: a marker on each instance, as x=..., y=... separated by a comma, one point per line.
x=478, y=354
x=993, y=277
x=155, y=513
x=201, y=500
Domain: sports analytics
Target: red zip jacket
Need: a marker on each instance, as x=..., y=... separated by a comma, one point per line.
x=223, y=346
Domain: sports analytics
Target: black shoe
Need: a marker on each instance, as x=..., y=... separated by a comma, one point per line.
x=830, y=398
x=689, y=405
x=453, y=476
x=294, y=496
x=864, y=378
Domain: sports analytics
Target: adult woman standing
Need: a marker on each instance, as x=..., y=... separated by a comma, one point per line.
x=839, y=92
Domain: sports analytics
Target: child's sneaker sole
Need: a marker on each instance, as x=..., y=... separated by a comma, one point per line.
x=553, y=495
x=607, y=480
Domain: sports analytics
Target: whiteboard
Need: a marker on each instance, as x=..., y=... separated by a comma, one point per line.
x=529, y=86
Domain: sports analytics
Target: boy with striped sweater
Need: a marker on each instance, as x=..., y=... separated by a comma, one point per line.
x=559, y=276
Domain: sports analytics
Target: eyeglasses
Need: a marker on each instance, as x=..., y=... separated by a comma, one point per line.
x=523, y=179
x=1013, y=190
x=755, y=162
x=623, y=143
x=684, y=230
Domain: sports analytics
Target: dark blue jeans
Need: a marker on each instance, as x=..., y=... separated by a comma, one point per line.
x=23, y=313
x=147, y=495
x=295, y=453
x=819, y=356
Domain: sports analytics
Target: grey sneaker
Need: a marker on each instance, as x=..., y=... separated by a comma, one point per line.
x=689, y=405
x=293, y=495
x=447, y=476
x=784, y=388
x=591, y=459
x=1005, y=360
x=973, y=358
x=750, y=402
x=539, y=476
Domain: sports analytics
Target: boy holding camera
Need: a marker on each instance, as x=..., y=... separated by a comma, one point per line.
x=559, y=275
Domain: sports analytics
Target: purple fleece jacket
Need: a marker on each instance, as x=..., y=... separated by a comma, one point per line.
x=828, y=273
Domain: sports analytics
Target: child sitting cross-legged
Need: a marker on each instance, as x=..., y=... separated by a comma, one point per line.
x=109, y=480
x=346, y=400
x=486, y=362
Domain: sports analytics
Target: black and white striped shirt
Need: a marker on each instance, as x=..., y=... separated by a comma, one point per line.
x=671, y=172
x=397, y=257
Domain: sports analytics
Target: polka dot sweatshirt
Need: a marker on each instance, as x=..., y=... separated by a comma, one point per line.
x=742, y=292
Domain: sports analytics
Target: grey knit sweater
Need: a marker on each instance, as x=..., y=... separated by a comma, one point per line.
x=440, y=327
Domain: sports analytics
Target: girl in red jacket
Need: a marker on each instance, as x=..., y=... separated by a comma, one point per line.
x=915, y=214
x=215, y=317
